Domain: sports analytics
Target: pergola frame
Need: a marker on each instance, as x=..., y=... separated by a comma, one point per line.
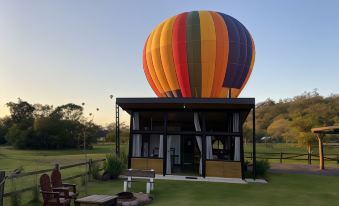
x=320, y=133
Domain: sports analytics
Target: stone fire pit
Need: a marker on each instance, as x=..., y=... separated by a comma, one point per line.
x=133, y=199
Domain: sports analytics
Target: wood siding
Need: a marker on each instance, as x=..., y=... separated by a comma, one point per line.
x=223, y=169
x=147, y=164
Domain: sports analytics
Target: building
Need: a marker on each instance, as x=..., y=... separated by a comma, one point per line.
x=188, y=136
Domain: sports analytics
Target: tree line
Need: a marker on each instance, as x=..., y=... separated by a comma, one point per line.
x=37, y=126
x=291, y=120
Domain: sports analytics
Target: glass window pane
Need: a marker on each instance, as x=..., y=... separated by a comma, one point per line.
x=151, y=121
x=180, y=121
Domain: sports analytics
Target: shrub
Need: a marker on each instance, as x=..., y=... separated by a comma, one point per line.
x=262, y=167
x=94, y=171
x=113, y=166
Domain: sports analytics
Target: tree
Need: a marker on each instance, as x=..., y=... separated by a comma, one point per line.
x=42, y=110
x=111, y=135
x=21, y=112
x=280, y=129
x=69, y=111
x=5, y=124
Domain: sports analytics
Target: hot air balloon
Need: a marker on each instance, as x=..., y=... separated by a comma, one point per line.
x=203, y=54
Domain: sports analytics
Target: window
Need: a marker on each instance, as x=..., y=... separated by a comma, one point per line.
x=147, y=145
x=217, y=122
x=223, y=148
x=149, y=121
x=180, y=121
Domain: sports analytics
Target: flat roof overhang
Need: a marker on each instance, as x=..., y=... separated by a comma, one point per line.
x=130, y=104
x=326, y=130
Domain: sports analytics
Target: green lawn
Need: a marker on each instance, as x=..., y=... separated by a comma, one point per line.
x=41, y=159
x=261, y=148
x=281, y=190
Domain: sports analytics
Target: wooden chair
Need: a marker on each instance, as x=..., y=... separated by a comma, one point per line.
x=57, y=184
x=52, y=197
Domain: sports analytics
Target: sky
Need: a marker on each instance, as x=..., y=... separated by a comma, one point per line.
x=57, y=52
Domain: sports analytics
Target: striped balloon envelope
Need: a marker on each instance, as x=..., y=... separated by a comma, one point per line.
x=202, y=54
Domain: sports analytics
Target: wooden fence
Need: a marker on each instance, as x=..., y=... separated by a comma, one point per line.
x=308, y=157
x=34, y=173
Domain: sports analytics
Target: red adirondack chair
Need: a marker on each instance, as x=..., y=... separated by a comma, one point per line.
x=53, y=197
x=57, y=184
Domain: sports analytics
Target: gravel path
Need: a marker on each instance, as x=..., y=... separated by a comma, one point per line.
x=303, y=169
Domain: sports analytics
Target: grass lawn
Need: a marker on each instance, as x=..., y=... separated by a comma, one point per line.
x=41, y=159
x=281, y=190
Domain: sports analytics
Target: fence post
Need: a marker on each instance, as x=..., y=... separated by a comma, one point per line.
x=2, y=187
x=56, y=167
x=338, y=158
x=251, y=155
x=281, y=156
x=90, y=164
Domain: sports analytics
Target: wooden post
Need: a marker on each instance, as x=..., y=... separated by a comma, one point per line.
x=309, y=150
x=90, y=165
x=56, y=167
x=321, y=151
x=2, y=187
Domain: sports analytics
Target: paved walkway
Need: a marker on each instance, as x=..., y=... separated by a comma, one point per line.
x=201, y=179
x=303, y=169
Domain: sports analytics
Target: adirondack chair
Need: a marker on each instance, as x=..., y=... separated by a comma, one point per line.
x=57, y=184
x=53, y=197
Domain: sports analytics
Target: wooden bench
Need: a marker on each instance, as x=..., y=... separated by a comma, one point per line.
x=133, y=174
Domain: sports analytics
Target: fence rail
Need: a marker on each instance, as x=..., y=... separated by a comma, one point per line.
x=16, y=176
x=309, y=157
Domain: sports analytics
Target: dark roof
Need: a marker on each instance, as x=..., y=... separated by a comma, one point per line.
x=185, y=103
x=326, y=130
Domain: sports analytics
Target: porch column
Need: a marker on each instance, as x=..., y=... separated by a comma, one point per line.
x=253, y=145
x=203, y=152
x=164, y=149
x=130, y=143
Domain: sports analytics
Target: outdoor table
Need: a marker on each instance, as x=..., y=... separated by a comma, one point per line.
x=97, y=200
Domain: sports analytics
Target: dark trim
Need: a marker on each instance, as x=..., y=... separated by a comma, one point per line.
x=130, y=144
x=146, y=132
x=219, y=160
x=185, y=104
x=117, y=130
x=254, y=146
x=203, y=152
x=242, y=159
x=150, y=100
x=165, y=145
x=188, y=133
x=147, y=158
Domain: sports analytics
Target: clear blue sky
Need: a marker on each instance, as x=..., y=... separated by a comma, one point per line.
x=56, y=52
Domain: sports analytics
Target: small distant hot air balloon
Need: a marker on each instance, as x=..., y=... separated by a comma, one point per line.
x=199, y=54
